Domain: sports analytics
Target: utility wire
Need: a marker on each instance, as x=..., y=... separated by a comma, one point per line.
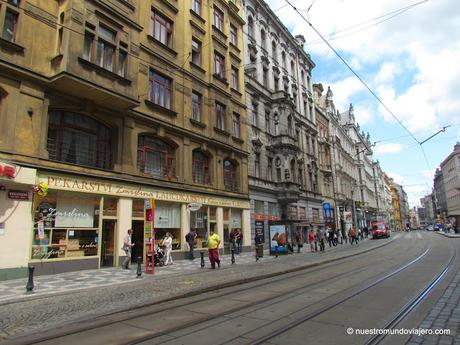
x=353, y=71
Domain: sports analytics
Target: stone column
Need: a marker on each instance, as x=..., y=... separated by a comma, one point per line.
x=220, y=225
x=184, y=225
x=124, y=222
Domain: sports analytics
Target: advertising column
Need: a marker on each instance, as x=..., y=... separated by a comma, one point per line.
x=149, y=235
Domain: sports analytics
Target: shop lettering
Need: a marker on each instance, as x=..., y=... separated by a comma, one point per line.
x=75, y=213
x=7, y=171
x=83, y=185
x=89, y=245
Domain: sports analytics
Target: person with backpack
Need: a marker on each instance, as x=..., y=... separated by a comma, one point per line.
x=190, y=238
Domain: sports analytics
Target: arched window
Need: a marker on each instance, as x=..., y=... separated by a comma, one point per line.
x=263, y=39
x=200, y=167
x=156, y=157
x=79, y=139
x=230, y=176
x=250, y=26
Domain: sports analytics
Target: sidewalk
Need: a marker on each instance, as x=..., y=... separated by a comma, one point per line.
x=450, y=234
x=15, y=289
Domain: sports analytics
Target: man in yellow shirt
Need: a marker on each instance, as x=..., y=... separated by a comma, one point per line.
x=213, y=249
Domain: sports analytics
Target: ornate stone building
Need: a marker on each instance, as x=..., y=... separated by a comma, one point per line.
x=112, y=102
x=283, y=166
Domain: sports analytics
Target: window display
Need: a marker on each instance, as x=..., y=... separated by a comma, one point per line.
x=167, y=219
x=199, y=222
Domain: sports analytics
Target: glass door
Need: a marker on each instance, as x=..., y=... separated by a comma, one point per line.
x=108, y=242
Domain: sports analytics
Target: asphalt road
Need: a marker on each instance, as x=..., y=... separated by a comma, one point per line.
x=316, y=305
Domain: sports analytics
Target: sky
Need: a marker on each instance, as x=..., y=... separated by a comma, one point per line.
x=408, y=53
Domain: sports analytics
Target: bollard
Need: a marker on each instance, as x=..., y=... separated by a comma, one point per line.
x=30, y=282
x=233, y=255
x=257, y=252
x=276, y=252
x=202, y=259
x=139, y=269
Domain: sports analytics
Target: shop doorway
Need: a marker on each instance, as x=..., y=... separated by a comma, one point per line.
x=108, y=243
x=138, y=240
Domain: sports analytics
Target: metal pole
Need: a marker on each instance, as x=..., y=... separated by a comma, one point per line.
x=233, y=255
x=139, y=269
x=30, y=283
x=202, y=259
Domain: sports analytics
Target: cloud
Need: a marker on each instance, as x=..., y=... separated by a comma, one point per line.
x=388, y=148
x=396, y=177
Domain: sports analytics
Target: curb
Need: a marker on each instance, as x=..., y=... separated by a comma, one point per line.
x=448, y=235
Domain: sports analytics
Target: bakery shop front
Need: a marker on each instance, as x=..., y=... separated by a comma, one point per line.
x=80, y=223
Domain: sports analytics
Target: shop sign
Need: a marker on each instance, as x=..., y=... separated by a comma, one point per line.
x=194, y=206
x=7, y=171
x=260, y=231
x=18, y=195
x=259, y=216
x=77, y=184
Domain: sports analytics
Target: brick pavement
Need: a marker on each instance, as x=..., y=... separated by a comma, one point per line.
x=444, y=315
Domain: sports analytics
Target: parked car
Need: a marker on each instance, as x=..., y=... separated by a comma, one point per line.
x=430, y=228
x=379, y=230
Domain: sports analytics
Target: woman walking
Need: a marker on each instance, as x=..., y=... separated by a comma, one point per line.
x=167, y=243
x=311, y=239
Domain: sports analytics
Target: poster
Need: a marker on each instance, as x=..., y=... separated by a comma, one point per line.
x=348, y=220
x=259, y=232
x=41, y=229
x=278, y=238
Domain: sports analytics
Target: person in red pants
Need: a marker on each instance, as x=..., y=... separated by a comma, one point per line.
x=213, y=249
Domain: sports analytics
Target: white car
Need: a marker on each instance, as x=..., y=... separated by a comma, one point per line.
x=430, y=228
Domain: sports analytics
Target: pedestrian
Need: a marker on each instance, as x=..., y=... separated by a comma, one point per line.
x=190, y=238
x=239, y=241
x=344, y=235
x=330, y=237
x=366, y=231
x=127, y=246
x=352, y=235
x=233, y=237
x=311, y=240
x=360, y=234
x=298, y=239
x=213, y=249
x=320, y=234
x=167, y=243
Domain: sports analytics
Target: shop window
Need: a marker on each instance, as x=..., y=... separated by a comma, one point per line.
x=167, y=219
x=66, y=226
x=230, y=176
x=259, y=207
x=200, y=167
x=199, y=222
x=273, y=211
x=138, y=208
x=156, y=157
x=79, y=139
x=110, y=207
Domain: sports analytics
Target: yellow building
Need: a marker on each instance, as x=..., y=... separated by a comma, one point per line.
x=109, y=103
x=396, y=208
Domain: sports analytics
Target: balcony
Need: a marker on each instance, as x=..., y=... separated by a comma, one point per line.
x=288, y=192
x=283, y=141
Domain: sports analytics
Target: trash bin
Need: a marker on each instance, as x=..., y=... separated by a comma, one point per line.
x=260, y=250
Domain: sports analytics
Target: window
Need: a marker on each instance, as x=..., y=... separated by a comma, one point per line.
x=219, y=65
x=79, y=139
x=88, y=46
x=220, y=116
x=196, y=6
x=254, y=117
x=200, y=167
x=105, y=48
x=250, y=27
x=283, y=58
x=230, y=179
x=233, y=35
x=305, y=108
x=302, y=76
x=267, y=121
x=11, y=23
x=265, y=77
x=196, y=52
x=196, y=106
x=274, y=51
x=161, y=29
x=276, y=121
x=263, y=39
x=276, y=82
x=160, y=89
x=235, y=79
x=122, y=57
x=289, y=124
x=293, y=68
x=156, y=157
x=270, y=169
x=257, y=165
x=218, y=19
x=236, y=125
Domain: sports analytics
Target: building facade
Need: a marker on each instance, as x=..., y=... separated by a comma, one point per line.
x=134, y=100
x=283, y=167
x=450, y=170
